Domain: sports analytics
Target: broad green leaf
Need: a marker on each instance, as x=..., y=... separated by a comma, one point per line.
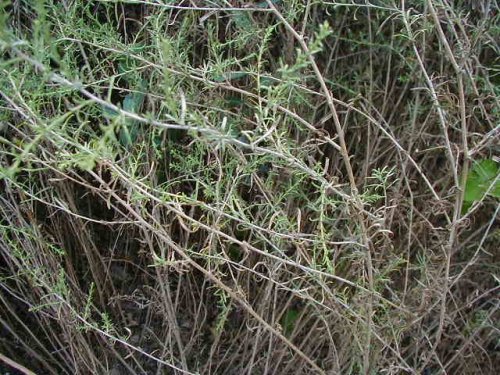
x=480, y=178
x=132, y=103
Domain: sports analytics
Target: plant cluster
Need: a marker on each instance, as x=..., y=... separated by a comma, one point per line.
x=259, y=187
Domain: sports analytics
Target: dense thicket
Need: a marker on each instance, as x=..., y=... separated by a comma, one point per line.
x=245, y=187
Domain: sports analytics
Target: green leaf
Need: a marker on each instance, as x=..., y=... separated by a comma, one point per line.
x=243, y=21
x=230, y=76
x=480, y=178
x=264, y=4
x=133, y=102
x=130, y=129
x=288, y=321
x=109, y=113
x=234, y=101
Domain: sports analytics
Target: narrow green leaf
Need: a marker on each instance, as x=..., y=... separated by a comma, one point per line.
x=230, y=76
x=288, y=321
x=109, y=113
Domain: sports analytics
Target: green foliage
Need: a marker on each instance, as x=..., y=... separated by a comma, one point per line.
x=87, y=311
x=129, y=131
x=174, y=176
x=381, y=181
x=288, y=321
x=483, y=179
x=4, y=17
x=224, y=306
